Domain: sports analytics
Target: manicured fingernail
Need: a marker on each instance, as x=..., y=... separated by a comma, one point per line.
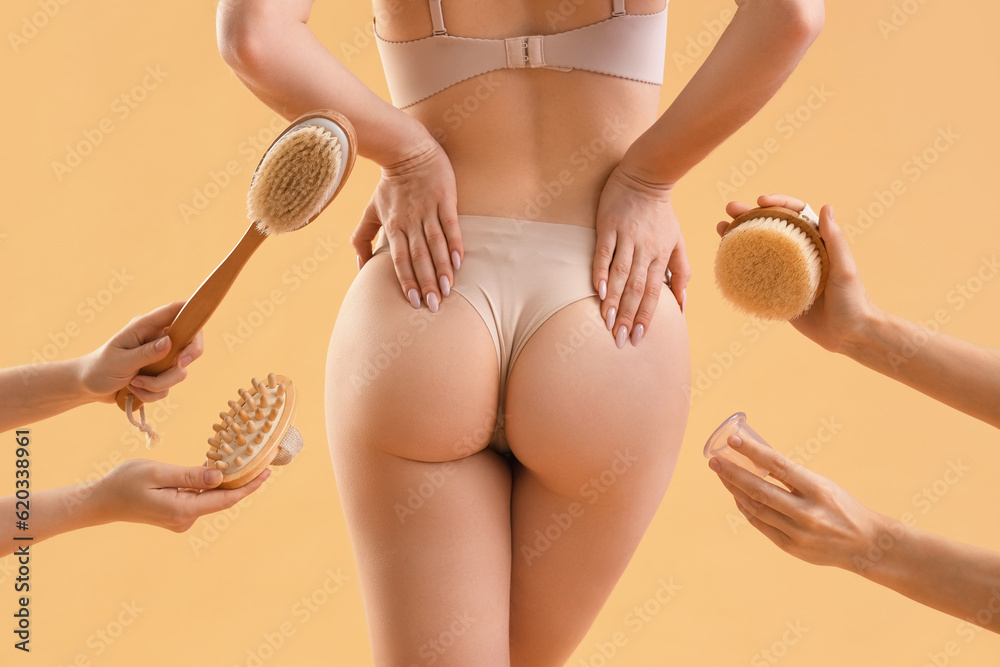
x=185, y=360
x=621, y=336
x=432, y=302
x=414, y=297
x=610, y=321
x=831, y=210
x=137, y=382
x=455, y=259
x=212, y=477
x=445, y=285
x=637, y=334
x=602, y=288
x=684, y=299
x=359, y=261
x=735, y=441
x=161, y=344
x=714, y=465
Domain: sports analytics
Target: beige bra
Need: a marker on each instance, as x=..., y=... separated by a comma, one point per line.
x=630, y=46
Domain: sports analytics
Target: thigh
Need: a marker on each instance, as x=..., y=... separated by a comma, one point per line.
x=410, y=403
x=596, y=431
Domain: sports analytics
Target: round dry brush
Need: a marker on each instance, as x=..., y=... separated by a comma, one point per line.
x=772, y=263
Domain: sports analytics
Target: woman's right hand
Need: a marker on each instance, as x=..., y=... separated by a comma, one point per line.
x=813, y=519
x=415, y=201
x=117, y=364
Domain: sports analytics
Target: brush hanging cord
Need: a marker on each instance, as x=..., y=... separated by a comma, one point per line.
x=152, y=437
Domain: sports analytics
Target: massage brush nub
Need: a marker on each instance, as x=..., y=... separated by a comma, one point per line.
x=255, y=432
x=772, y=263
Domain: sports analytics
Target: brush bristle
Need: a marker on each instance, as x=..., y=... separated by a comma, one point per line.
x=769, y=268
x=296, y=178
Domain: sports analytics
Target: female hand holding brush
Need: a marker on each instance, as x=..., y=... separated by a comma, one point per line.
x=136, y=491
x=844, y=320
x=139, y=491
x=814, y=519
x=38, y=391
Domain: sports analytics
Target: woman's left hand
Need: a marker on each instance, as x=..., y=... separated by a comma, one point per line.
x=638, y=239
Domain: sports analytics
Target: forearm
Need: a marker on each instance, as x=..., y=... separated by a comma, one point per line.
x=958, y=373
x=34, y=392
x=276, y=55
x=757, y=52
x=50, y=513
x=958, y=579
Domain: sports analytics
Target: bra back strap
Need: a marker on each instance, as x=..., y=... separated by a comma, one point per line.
x=619, y=8
x=437, y=18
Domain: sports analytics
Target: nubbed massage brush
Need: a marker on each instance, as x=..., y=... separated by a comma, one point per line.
x=772, y=263
x=255, y=432
x=301, y=172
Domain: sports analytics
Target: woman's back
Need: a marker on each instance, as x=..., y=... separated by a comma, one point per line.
x=529, y=143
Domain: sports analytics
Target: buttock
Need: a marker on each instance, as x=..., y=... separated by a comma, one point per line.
x=517, y=274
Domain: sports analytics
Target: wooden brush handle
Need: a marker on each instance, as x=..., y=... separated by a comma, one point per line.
x=200, y=307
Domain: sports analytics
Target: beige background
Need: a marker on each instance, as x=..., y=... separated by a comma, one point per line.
x=213, y=595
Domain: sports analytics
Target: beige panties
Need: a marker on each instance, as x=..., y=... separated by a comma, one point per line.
x=517, y=274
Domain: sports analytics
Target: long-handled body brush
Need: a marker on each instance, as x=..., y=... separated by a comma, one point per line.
x=299, y=175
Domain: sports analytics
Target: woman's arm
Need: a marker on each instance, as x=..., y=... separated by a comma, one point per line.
x=638, y=236
x=956, y=578
x=276, y=55
x=822, y=524
x=756, y=53
x=953, y=371
x=137, y=491
x=48, y=514
x=843, y=319
x=37, y=391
